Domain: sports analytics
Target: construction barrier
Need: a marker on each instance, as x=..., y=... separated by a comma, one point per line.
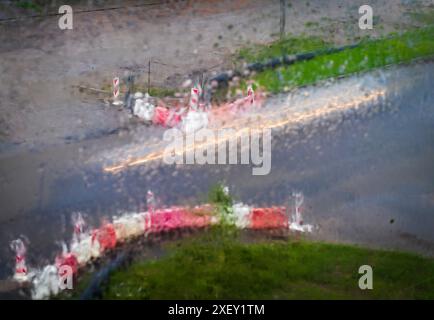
x=86, y=246
x=269, y=218
x=106, y=237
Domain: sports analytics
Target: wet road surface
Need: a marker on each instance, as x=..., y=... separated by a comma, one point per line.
x=367, y=172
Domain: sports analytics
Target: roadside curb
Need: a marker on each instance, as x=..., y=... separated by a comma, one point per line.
x=227, y=76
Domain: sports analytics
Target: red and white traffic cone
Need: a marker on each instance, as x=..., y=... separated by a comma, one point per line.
x=20, y=260
x=116, y=91
x=79, y=224
x=194, y=97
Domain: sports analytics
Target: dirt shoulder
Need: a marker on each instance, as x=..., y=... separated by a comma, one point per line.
x=41, y=64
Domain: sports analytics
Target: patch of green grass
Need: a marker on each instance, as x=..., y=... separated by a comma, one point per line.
x=286, y=46
x=369, y=55
x=311, y=24
x=29, y=5
x=211, y=268
x=218, y=196
x=160, y=92
x=222, y=201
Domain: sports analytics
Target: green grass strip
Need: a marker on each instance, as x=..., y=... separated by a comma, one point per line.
x=225, y=269
x=369, y=55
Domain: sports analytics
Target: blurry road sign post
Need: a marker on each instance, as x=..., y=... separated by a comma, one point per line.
x=128, y=101
x=149, y=76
